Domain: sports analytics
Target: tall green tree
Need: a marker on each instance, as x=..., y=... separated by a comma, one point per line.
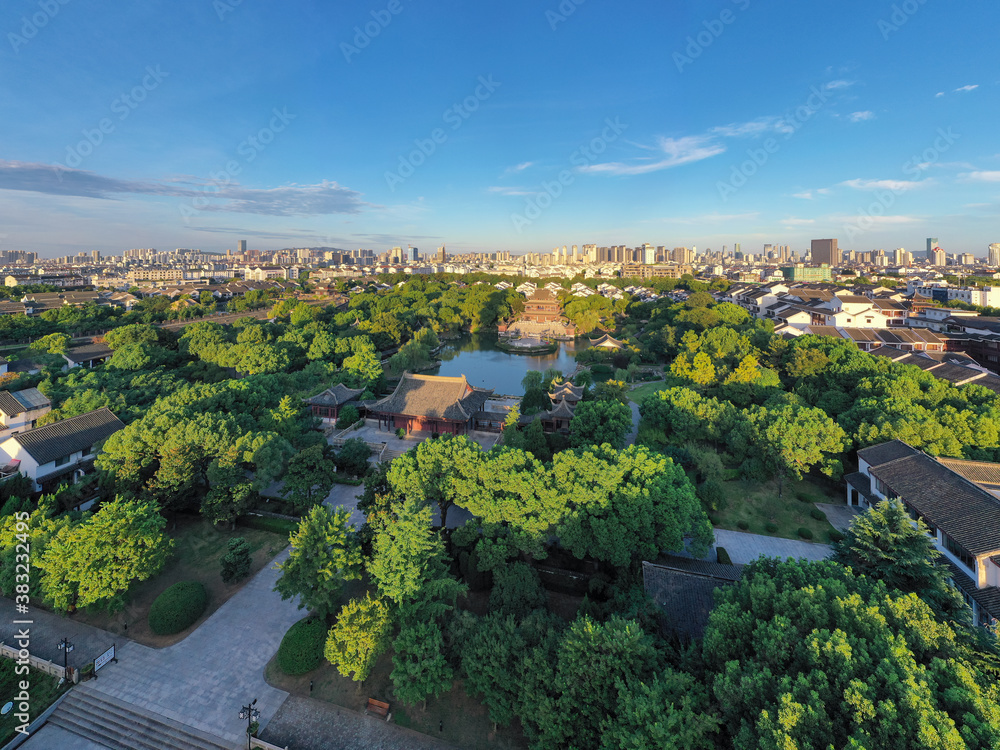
x=359, y=637
x=309, y=477
x=436, y=472
x=884, y=543
x=100, y=558
x=324, y=553
x=420, y=668
x=599, y=423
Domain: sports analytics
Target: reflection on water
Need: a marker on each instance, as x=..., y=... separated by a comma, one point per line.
x=486, y=365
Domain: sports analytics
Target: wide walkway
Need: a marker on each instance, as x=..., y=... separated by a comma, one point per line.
x=744, y=548
x=48, y=629
x=307, y=724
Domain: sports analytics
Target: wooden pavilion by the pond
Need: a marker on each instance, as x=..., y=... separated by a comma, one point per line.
x=431, y=403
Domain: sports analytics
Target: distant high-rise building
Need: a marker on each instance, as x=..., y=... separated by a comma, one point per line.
x=648, y=254
x=241, y=246
x=413, y=255
x=901, y=257
x=994, y=257
x=442, y=255
x=825, y=252
x=932, y=242
x=938, y=257
x=967, y=259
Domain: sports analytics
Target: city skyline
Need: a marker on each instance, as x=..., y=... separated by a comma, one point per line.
x=508, y=129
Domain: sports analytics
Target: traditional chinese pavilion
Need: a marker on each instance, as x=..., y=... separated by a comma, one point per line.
x=572, y=394
x=607, y=342
x=542, y=316
x=431, y=403
x=327, y=405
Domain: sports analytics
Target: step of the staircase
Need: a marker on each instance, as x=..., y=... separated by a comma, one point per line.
x=116, y=723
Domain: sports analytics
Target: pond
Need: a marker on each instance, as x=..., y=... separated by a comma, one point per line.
x=486, y=365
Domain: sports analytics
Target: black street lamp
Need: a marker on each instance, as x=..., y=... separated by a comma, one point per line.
x=251, y=715
x=65, y=646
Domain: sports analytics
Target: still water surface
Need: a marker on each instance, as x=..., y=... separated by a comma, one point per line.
x=486, y=365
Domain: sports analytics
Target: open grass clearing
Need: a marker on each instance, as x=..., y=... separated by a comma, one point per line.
x=758, y=504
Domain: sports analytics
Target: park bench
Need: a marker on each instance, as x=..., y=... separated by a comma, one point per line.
x=378, y=707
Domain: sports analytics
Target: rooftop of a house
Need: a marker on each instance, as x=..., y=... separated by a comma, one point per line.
x=434, y=396
x=19, y=402
x=87, y=353
x=876, y=455
x=53, y=441
x=338, y=395
x=685, y=590
x=966, y=512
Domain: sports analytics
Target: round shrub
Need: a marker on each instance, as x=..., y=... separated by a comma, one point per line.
x=743, y=524
x=178, y=608
x=771, y=527
x=805, y=533
x=301, y=649
x=714, y=520
x=835, y=536
x=817, y=514
x=803, y=497
x=722, y=556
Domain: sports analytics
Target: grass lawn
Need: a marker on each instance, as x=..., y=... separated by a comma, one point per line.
x=638, y=394
x=198, y=551
x=758, y=504
x=44, y=690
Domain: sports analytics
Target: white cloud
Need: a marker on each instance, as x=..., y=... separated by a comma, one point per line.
x=798, y=222
x=677, y=151
x=939, y=94
x=518, y=191
x=861, y=116
x=971, y=87
x=807, y=195
x=982, y=176
x=832, y=85
x=518, y=168
x=894, y=185
x=742, y=129
x=878, y=220
x=709, y=218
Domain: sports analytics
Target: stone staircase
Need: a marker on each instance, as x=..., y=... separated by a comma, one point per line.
x=115, y=724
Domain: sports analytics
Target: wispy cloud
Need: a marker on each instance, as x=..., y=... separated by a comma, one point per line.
x=519, y=191
x=981, y=176
x=289, y=200
x=714, y=218
x=810, y=194
x=518, y=168
x=840, y=84
x=894, y=185
x=962, y=89
x=939, y=94
x=798, y=222
x=878, y=220
x=861, y=116
x=676, y=151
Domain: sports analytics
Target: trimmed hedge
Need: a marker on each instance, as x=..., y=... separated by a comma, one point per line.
x=301, y=649
x=771, y=527
x=178, y=608
x=817, y=514
x=281, y=526
x=805, y=533
x=803, y=497
x=835, y=536
x=722, y=556
x=743, y=524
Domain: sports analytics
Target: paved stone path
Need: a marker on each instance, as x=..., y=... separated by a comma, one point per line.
x=205, y=679
x=630, y=438
x=744, y=548
x=347, y=496
x=48, y=629
x=51, y=737
x=307, y=724
x=840, y=516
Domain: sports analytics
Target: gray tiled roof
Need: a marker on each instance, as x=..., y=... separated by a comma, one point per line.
x=988, y=598
x=686, y=591
x=336, y=396
x=63, y=438
x=885, y=452
x=19, y=402
x=87, y=353
x=964, y=511
x=434, y=397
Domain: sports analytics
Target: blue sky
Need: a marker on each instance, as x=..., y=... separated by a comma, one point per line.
x=194, y=123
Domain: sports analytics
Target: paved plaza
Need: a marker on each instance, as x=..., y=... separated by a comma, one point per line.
x=840, y=516
x=744, y=548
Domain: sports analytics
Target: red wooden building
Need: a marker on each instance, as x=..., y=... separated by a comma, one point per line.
x=430, y=403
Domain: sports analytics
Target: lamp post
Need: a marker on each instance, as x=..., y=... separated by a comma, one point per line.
x=251, y=715
x=65, y=646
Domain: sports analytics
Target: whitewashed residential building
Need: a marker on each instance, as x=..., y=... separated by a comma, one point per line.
x=958, y=500
x=20, y=410
x=60, y=452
